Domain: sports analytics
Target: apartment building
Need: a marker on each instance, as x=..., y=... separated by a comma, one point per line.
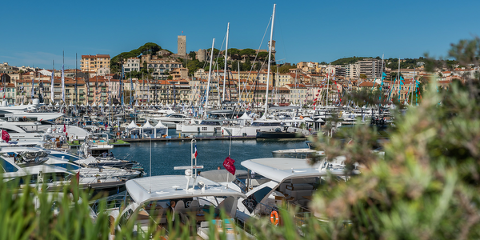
x=158, y=66
x=91, y=63
x=132, y=64
x=371, y=67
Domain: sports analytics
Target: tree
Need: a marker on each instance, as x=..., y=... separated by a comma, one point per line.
x=247, y=52
x=192, y=55
x=363, y=76
x=262, y=55
x=285, y=68
x=234, y=53
x=247, y=65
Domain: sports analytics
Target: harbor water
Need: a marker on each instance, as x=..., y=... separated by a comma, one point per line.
x=211, y=154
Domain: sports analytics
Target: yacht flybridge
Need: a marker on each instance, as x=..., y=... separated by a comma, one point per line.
x=186, y=197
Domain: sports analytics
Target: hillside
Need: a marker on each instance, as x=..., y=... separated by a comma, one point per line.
x=349, y=60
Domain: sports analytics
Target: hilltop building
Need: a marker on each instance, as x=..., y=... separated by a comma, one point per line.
x=92, y=63
x=182, y=45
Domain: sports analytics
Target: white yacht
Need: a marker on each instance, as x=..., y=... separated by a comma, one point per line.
x=188, y=198
x=36, y=162
x=204, y=126
x=26, y=131
x=283, y=180
x=171, y=120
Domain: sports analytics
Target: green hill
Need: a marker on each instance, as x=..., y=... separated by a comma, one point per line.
x=349, y=60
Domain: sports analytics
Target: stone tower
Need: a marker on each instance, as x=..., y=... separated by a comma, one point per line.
x=201, y=55
x=182, y=45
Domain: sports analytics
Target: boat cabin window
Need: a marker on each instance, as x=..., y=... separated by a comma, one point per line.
x=252, y=201
x=260, y=124
x=9, y=130
x=209, y=123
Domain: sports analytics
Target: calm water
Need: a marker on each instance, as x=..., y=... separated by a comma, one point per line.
x=166, y=155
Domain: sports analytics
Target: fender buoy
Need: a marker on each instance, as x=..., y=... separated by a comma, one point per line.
x=274, y=217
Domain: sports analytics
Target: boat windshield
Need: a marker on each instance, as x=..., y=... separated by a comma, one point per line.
x=7, y=166
x=209, y=123
x=259, y=124
x=67, y=166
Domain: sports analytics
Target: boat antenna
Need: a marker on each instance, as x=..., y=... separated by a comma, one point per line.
x=230, y=147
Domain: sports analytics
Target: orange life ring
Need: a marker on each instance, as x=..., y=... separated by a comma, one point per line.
x=274, y=217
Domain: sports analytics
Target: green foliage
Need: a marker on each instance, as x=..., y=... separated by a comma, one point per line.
x=285, y=68
x=346, y=61
x=404, y=63
x=394, y=74
x=234, y=53
x=248, y=52
x=247, y=65
x=426, y=186
x=192, y=55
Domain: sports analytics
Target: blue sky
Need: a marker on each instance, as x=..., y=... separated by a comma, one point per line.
x=36, y=32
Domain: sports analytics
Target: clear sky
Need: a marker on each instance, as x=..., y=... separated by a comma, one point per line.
x=36, y=32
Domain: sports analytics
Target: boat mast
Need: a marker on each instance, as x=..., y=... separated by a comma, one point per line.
x=225, y=67
x=328, y=85
x=398, y=77
x=269, y=60
x=238, y=94
x=209, y=77
x=414, y=84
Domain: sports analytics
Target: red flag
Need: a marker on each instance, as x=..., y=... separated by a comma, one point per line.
x=196, y=152
x=64, y=128
x=5, y=136
x=229, y=164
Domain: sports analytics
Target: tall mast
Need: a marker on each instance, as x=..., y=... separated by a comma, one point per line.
x=398, y=78
x=295, y=86
x=225, y=68
x=209, y=77
x=414, y=85
x=76, y=91
x=269, y=60
x=328, y=85
x=238, y=94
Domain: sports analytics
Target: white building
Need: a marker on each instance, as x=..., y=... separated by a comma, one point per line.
x=132, y=64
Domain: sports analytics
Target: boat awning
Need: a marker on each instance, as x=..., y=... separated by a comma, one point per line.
x=173, y=187
x=280, y=169
x=222, y=175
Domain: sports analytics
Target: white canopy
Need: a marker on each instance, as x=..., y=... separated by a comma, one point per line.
x=245, y=116
x=160, y=125
x=57, y=104
x=107, y=105
x=147, y=125
x=307, y=119
x=132, y=125
x=94, y=104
